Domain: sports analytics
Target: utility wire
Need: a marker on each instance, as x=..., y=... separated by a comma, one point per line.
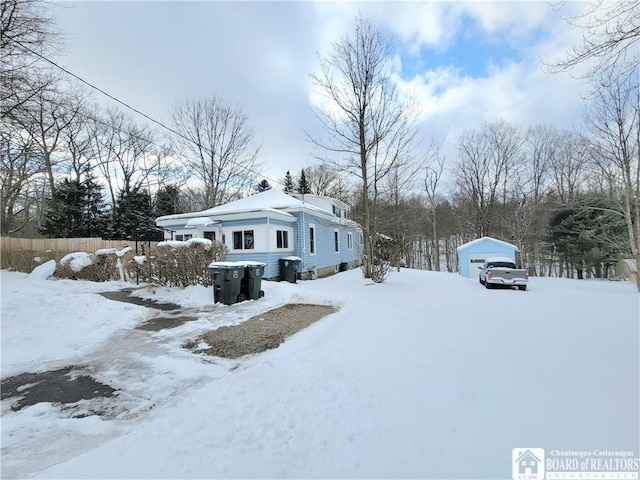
x=132, y=108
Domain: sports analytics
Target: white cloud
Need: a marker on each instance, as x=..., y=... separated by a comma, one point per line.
x=259, y=55
x=516, y=18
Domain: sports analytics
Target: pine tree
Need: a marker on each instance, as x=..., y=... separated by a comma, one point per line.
x=303, y=185
x=95, y=215
x=263, y=186
x=589, y=232
x=168, y=201
x=77, y=209
x=288, y=183
x=133, y=217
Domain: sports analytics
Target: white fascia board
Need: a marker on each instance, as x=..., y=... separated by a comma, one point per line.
x=182, y=219
x=257, y=214
x=318, y=212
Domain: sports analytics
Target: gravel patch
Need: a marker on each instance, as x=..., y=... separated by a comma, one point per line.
x=262, y=332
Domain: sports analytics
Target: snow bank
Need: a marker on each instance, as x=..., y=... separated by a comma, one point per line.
x=44, y=271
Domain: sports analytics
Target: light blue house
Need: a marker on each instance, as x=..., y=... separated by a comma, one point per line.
x=271, y=225
x=472, y=254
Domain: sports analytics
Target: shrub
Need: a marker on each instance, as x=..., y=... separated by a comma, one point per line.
x=22, y=260
x=102, y=269
x=171, y=264
x=178, y=264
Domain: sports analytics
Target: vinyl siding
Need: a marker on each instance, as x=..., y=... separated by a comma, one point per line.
x=326, y=255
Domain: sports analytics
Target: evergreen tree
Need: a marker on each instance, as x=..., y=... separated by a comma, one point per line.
x=168, y=201
x=303, y=185
x=134, y=218
x=263, y=186
x=288, y=183
x=588, y=233
x=77, y=209
x=95, y=211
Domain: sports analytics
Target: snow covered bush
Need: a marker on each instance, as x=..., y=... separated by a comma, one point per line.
x=97, y=267
x=178, y=264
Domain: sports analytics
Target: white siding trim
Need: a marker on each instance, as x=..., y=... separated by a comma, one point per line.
x=313, y=238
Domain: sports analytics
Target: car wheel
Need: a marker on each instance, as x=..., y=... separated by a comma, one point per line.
x=523, y=287
x=480, y=280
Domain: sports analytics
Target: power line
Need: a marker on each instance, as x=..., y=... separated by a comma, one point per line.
x=247, y=169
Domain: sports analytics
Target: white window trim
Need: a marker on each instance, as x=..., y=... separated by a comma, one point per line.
x=349, y=241
x=289, y=238
x=242, y=232
x=314, y=251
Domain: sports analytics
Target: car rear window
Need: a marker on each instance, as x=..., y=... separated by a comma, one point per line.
x=501, y=265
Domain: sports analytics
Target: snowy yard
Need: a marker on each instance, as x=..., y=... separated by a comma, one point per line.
x=428, y=375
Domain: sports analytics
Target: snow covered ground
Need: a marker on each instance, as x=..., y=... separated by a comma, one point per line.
x=428, y=375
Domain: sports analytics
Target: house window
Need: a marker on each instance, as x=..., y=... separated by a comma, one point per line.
x=210, y=235
x=312, y=239
x=179, y=238
x=336, y=239
x=243, y=240
x=350, y=241
x=282, y=239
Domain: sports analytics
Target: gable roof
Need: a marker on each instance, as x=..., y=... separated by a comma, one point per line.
x=486, y=239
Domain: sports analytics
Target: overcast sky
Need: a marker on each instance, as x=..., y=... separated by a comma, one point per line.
x=467, y=63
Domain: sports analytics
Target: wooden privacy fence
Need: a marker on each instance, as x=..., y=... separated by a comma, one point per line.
x=66, y=245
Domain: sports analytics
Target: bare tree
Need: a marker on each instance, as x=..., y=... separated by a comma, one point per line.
x=526, y=217
x=26, y=31
x=21, y=171
x=323, y=179
x=124, y=152
x=76, y=149
x=610, y=41
x=219, y=147
x=432, y=178
x=613, y=120
x=369, y=125
x=568, y=167
x=45, y=116
x=486, y=170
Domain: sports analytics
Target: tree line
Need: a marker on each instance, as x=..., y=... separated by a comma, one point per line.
x=569, y=200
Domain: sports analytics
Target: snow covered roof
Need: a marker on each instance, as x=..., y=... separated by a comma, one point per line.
x=486, y=239
x=200, y=222
x=270, y=201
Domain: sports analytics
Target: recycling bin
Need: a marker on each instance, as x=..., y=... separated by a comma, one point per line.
x=289, y=268
x=227, y=281
x=254, y=271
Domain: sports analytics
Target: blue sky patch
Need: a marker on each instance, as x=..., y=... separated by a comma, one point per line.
x=472, y=53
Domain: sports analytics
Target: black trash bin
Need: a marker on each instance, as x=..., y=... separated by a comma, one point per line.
x=289, y=268
x=254, y=271
x=227, y=281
